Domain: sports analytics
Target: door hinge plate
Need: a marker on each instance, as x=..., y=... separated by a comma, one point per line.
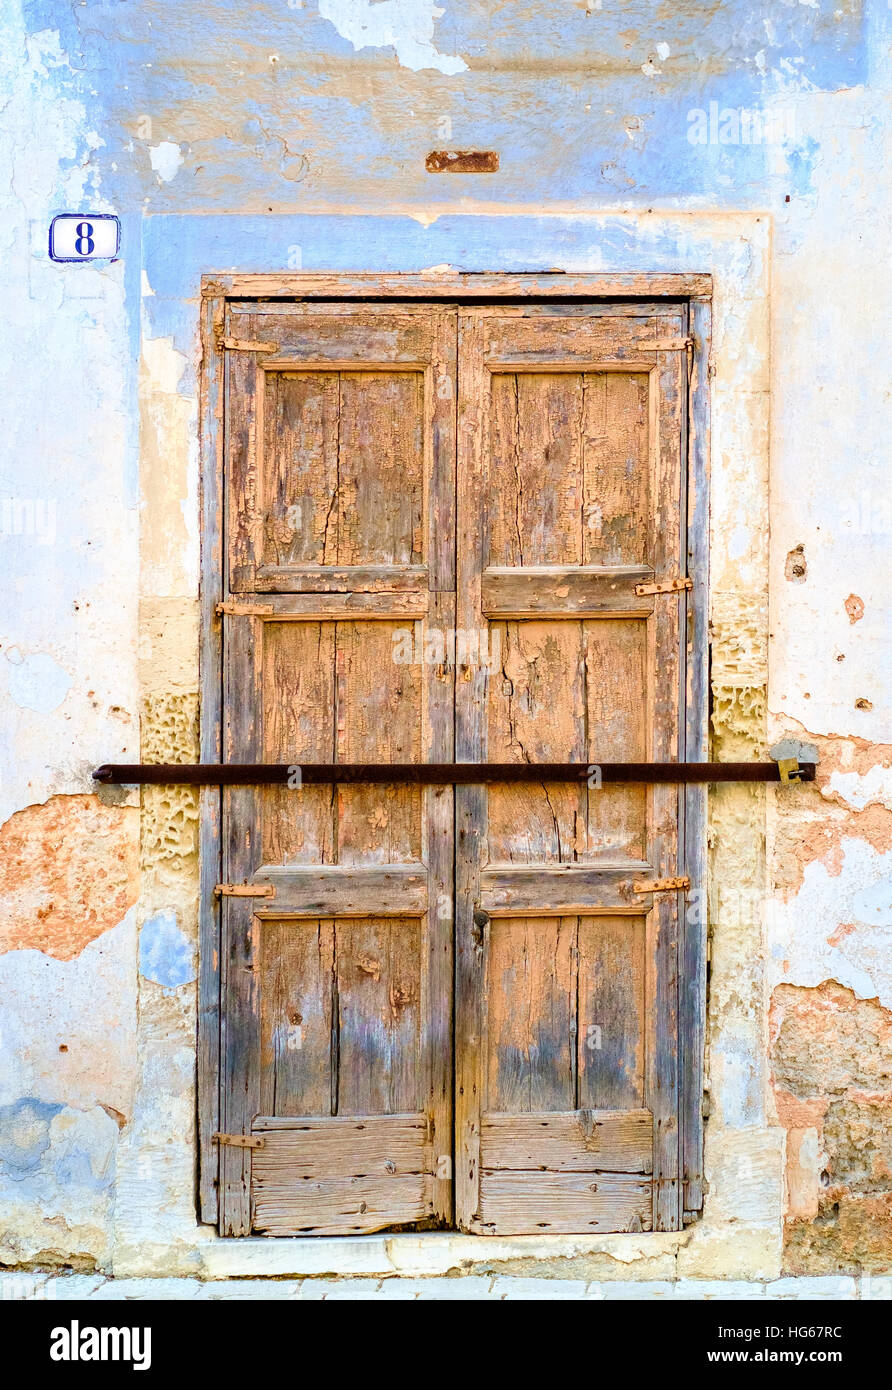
x=246, y=345
x=790, y=769
x=245, y=890
x=240, y=1141
x=661, y=885
x=669, y=345
x=664, y=586
x=243, y=610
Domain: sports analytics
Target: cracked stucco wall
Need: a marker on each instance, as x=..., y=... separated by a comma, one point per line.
x=288, y=135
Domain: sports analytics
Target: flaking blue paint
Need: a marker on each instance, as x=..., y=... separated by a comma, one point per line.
x=165, y=953
x=36, y=681
x=179, y=250
x=24, y=1135
x=578, y=102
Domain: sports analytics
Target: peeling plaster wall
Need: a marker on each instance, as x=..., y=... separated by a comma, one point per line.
x=286, y=135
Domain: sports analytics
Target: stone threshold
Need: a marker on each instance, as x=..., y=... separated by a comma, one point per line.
x=487, y=1288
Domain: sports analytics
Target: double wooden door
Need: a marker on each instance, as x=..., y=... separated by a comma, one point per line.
x=451, y=1006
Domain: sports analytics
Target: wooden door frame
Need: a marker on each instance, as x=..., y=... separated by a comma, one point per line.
x=458, y=287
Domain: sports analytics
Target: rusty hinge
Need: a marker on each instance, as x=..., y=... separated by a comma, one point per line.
x=243, y=610
x=240, y=1141
x=665, y=586
x=245, y=890
x=245, y=345
x=668, y=345
x=790, y=769
x=661, y=885
x=689, y=362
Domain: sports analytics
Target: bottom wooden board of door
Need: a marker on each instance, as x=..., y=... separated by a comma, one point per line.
x=559, y=1173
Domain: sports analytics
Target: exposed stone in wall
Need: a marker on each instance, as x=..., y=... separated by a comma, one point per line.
x=832, y=1066
x=817, y=834
x=68, y=873
x=169, y=825
x=831, y=972
x=739, y=645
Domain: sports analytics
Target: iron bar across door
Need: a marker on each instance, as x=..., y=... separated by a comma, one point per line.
x=443, y=774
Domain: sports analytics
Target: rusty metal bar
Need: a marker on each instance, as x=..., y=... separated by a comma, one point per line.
x=442, y=774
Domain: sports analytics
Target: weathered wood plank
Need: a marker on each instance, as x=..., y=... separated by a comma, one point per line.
x=471, y=745
x=667, y=645
x=617, y=482
x=244, y=409
x=618, y=677
x=341, y=1175
x=344, y=337
x=612, y=1013
x=343, y=1146
x=535, y=470
x=378, y=1001
x=440, y=413
x=531, y=1015
x=297, y=664
x=693, y=920
x=608, y=1141
x=335, y=1130
x=438, y=979
x=327, y=890
x=380, y=477
x=337, y=1206
x=329, y=470
x=378, y=717
x=296, y=999
x=558, y=591
x=556, y=1203
x=342, y=579
x=300, y=469
x=240, y=1023
x=210, y=734
x=536, y=714
x=584, y=344
x=545, y=889
x=457, y=285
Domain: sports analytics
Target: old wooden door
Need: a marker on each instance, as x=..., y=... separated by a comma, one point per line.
x=404, y=482
x=569, y=466
x=337, y=993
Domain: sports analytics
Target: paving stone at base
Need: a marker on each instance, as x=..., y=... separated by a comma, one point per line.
x=687, y=1289
x=255, y=1289
x=120, y=1290
x=44, y=1285
x=470, y=1287
x=508, y=1287
x=315, y=1290
x=649, y=1289
x=835, y=1286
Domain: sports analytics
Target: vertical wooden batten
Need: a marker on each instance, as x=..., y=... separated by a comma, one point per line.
x=213, y=308
x=694, y=915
